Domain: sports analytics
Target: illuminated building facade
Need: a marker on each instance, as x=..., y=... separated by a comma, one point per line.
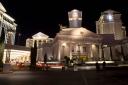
x=40, y=38
x=8, y=24
x=109, y=43
x=110, y=23
x=12, y=54
x=18, y=54
x=75, y=41
x=44, y=45
x=75, y=18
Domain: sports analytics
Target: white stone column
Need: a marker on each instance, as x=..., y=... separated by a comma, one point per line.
x=59, y=51
x=91, y=51
x=100, y=51
x=0, y=27
x=70, y=50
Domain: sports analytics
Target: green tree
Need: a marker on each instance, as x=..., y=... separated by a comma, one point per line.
x=67, y=60
x=33, y=56
x=2, y=45
x=45, y=61
x=45, y=58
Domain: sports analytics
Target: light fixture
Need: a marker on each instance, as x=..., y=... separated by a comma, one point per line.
x=109, y=17
x=64, y=44
x=75, y=15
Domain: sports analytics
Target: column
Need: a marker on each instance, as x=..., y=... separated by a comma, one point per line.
x=0, y=27
x=110, y=53
x=70, y=50
x=59, y=51
x=100, y=52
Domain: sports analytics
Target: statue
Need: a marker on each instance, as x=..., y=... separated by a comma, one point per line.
x=61, y=27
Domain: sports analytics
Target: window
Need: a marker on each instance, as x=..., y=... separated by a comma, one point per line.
x=72, y=49
x=84, y=49
x=44, y=41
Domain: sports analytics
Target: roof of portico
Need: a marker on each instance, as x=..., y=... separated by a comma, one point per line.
x=40, y=35
x=78, y=35
x=2, y=7
x=78, y=32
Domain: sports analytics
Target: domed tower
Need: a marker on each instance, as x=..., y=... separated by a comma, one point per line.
x=110, y=23
x=75, y=18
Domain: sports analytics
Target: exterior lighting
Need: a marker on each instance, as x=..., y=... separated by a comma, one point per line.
x=93, y=46
x=105, y=45
x=110, y=17
x=75, y=15
x=64, y=44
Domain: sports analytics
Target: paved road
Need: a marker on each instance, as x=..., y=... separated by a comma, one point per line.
x=109, y=77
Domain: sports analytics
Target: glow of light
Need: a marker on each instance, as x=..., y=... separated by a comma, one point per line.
x=17, y=54
x=93, y=62
x=86, y=67
x=64, y=44
x=75, y=15
x=93, y=46
x=105, y=45
x=57, y=67
x=110, y=18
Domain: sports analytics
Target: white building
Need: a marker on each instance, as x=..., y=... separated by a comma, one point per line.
x=44, y=45
x=17, y=54
x=7, y=23
x=109, y=43
x=40, y=38
x=12, y=53
x=110, y=23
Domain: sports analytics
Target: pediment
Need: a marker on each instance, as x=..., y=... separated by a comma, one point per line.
x=2, y=8
x=40, y=35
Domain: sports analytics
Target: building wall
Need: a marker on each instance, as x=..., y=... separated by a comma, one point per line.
x=107, y=26
x=17, y=56
x=8, y=24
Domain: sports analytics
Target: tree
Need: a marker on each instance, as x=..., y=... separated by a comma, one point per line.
x=45, y=61
x=33, y=56
x=2, y=45
x=67, y=60
x=45, y=58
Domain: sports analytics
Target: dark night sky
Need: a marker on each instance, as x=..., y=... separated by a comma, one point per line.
x=33, y=16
